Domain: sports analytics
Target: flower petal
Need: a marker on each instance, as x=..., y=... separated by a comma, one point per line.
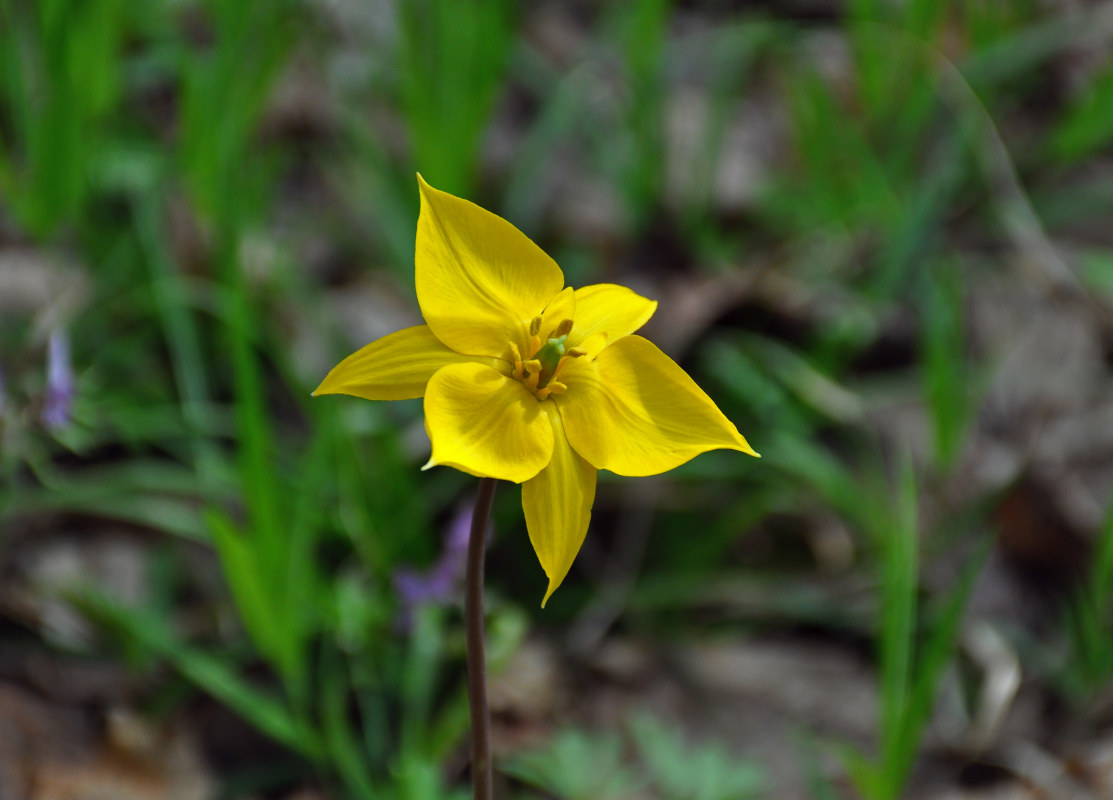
x=558, y=507
x=479, y=279
x=395, y=367
x=610, y=309
x=486, y=424
x=634, y=411
x=560, y=308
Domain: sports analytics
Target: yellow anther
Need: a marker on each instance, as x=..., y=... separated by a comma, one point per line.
x=563, y=329
x=564, y=362
x=552, y=387
x=516, y=360
x=535, y=326
x=531, y=371
x=575, y=352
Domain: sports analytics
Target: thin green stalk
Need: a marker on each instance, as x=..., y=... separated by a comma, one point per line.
x=477, y=667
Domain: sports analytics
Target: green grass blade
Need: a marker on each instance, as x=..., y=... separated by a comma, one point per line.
x=338, y=737
x=899, y=578
x=943, y=347
x=932, y=659
x=211, y=674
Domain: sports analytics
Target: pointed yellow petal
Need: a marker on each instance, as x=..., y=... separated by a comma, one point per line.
x=479, y=279
x=634, y=411
x=610, y=309
x=486, y=424
x=558, y=507
x=395, y=367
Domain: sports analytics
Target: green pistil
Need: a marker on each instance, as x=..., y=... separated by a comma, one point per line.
x=550, y=355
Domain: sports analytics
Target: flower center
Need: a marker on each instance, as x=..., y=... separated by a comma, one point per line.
x=544, y=359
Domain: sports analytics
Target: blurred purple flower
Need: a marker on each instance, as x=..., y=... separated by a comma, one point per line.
x=59, y=381
x=437, y=584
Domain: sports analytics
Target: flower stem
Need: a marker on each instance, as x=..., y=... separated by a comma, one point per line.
x=477, y=666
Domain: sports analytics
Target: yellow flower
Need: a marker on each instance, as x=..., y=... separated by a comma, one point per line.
x=529, y=381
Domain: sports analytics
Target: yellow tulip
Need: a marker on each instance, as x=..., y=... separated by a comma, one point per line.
x=529, y=381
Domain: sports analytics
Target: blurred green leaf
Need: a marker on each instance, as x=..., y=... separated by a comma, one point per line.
x=943, y=344
x=1088, y=125
x=693, y=772
x=213, y=675
x=576, y=765
x=452, y=54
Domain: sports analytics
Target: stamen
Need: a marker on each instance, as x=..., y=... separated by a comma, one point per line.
x=549, y=355
x=545, y=359
x=560, y=365
x=572, y=352
x=516, y=357
x=552, y=387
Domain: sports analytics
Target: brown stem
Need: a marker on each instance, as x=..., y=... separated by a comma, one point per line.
x=477, y=666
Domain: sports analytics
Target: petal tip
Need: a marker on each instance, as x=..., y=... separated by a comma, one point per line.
x=329, y=384
x=432, y=462
x=554, y=584
x=423, y=186
x=744, y=446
